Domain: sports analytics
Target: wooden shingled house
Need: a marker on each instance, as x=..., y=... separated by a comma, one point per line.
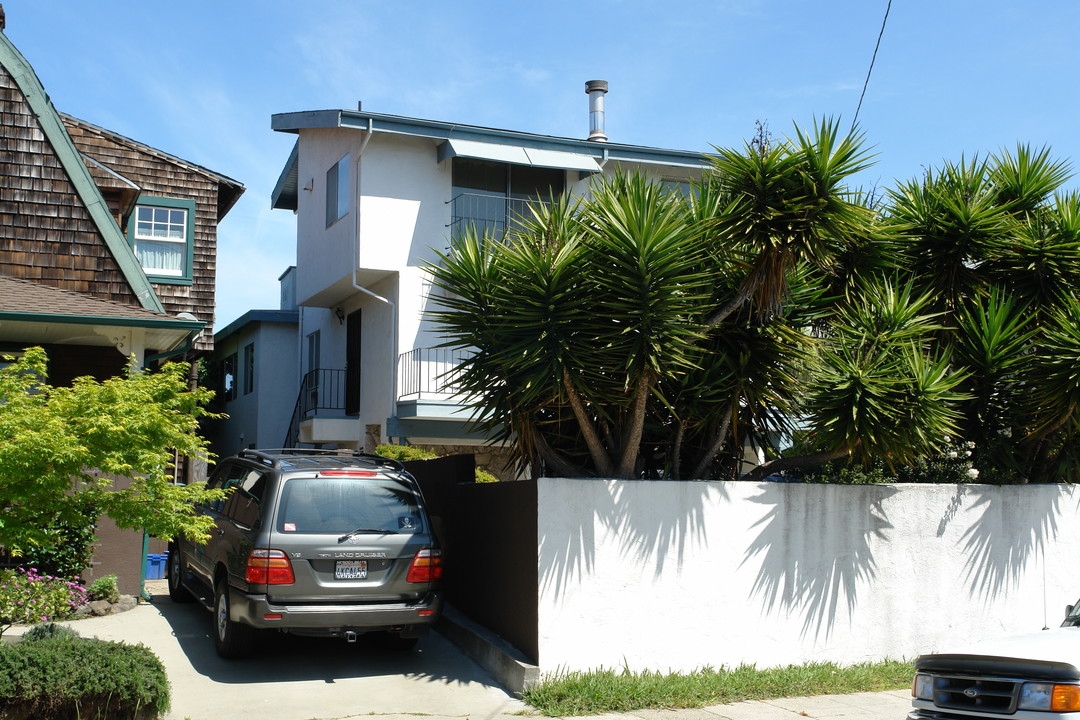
x=107, y=251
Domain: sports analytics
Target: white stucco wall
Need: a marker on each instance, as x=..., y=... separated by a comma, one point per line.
x=680, y=575
x=325, y=256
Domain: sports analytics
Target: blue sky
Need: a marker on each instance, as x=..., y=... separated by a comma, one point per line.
x=201, y=79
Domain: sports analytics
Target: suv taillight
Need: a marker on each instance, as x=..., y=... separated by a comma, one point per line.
x=426, y=566
x=268, y=567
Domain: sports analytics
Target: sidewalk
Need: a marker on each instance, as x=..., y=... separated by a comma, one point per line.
x=294, y=678
x=891, y=705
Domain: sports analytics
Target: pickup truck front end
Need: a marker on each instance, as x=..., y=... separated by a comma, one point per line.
x=1023, y=677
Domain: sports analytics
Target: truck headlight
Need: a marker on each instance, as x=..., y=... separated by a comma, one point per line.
x=923, y=687
x=1049, y=697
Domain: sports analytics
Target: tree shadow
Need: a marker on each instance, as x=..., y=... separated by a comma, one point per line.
x=809, y=564
x=1015, y=524
x=655, y=520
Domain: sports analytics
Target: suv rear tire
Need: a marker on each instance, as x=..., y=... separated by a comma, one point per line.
x=174, y=573
x=231, y=639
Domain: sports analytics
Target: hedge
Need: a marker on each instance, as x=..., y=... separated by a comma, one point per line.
x=81, y=679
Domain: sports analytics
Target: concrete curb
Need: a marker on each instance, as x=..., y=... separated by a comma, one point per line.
x=500, y=659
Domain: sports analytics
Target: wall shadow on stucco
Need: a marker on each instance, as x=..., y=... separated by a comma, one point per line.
x=649, y=532
x=811, y=566
x=655, y=536
x=1014, y=526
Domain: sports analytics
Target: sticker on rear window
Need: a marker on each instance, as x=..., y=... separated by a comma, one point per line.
x=406, y=523
x=289, y=527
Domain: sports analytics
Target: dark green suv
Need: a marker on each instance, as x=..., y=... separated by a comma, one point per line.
x=312, y=542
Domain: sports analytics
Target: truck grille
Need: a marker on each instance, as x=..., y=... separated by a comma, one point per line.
x=988, y=695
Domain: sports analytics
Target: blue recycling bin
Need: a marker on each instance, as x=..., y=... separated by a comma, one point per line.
x=155, y=566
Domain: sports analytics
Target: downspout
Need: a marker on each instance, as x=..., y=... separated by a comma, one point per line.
x=357, y=286
x=181, y=349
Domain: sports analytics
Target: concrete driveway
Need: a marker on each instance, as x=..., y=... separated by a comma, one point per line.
x=295, y=678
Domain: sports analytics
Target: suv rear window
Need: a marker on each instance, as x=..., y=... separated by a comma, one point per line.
x=344, y=504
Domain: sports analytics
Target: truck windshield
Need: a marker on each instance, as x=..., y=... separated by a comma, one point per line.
x=1072, y=616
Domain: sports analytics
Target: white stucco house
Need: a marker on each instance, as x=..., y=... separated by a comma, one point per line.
x=375, y=197
x=257, y=376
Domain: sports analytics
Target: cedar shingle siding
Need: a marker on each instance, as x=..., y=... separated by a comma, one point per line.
x=160, y=175
x=47, y=234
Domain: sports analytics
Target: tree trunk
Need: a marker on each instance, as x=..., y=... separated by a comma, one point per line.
x=780, y=464
x=676, y=451
x=555, y=460
x=718, y=442
x=597, y=451
x=632, y=441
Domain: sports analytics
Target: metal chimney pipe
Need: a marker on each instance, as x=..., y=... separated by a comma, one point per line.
x=596, y=89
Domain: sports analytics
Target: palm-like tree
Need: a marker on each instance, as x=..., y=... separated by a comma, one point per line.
x=1054, y=402
x=592, y=306
x=878, y=388
x=781, y=205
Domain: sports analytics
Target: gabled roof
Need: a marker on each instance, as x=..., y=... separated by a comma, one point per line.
x=229, y=190
x=53, y=127
x=467, y=140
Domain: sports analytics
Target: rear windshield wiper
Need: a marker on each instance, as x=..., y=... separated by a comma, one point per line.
x=360, y=530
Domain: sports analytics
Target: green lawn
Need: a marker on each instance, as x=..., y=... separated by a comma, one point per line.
x=581, y=693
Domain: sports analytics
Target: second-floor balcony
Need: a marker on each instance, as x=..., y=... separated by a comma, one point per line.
x=492, y=214
x=429, y=374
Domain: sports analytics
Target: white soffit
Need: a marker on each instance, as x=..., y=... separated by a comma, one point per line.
x=517, y=155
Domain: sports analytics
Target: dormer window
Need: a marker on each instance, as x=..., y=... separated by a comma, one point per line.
x=162, y=233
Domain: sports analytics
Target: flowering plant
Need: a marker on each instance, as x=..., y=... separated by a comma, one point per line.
x=29, y=597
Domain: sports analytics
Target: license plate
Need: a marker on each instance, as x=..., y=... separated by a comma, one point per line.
x=350, y=570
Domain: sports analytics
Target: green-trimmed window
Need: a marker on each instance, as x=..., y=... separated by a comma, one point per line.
x=162, y=232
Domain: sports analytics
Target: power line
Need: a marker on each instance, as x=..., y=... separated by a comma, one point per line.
x=871, y=68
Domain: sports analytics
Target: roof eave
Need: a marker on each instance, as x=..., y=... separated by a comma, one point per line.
x=284, y=196
x=437, y=130
x=61, y=319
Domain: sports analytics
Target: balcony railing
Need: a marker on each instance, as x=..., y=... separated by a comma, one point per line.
x=429, y=373
x=488, y=213
x=321, y=389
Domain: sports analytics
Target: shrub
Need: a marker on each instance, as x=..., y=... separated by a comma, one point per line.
x=27, y=597
x=81, y=677
x=45, y=631
x=104, y=588
x=403, y=453
x=69, y=545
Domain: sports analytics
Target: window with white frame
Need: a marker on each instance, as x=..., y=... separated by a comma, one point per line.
x=162, y=234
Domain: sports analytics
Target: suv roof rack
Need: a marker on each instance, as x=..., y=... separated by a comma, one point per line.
x=274, y=456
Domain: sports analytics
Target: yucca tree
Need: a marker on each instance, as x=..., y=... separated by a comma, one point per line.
x=581, y=309
x=641, y=320
x=1039, y=264
x=878, y=389
x=992, y=343
x=949, y=223
x=778, y=205
x=1053, y=407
